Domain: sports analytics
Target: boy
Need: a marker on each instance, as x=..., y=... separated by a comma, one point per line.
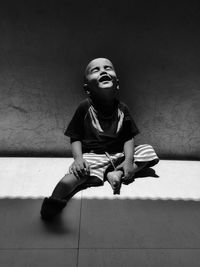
x=102, y=140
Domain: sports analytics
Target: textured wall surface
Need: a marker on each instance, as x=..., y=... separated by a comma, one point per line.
x=45, y=45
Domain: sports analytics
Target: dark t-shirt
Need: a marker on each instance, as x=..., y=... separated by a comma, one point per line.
x=100, y=134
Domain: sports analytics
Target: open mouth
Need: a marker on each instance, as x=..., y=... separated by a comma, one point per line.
x=105, y=78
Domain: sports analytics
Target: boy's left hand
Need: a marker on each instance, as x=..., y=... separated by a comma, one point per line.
x=127, y=166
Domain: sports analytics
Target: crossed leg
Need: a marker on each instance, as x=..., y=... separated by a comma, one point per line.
x=115, y=178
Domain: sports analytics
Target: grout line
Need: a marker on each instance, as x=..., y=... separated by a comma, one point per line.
x=110, y=248
x=79, y=233
x=21, y=249
x=96, y=248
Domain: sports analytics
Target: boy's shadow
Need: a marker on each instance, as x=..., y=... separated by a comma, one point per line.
x=144, y=173
x=57, y=225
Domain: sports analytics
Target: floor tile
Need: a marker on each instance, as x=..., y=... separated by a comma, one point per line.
x=141, y=258
x=132, y=223
x=38, y=258
x=21, y=226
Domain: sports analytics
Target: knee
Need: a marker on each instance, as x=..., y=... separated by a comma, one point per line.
x=65, y=179
x=144, y=148
x=147, y=146
x=71, y=179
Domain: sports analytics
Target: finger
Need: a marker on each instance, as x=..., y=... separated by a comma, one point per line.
x=76, y=173
x=120, y=166
x=87, y=166
x=79, y=168
x=125, y=177
x=71, y=167
x=127, y=174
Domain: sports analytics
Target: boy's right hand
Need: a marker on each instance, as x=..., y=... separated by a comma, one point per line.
x=79, y=168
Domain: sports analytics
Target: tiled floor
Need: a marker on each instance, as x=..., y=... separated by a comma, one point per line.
x=154, y=222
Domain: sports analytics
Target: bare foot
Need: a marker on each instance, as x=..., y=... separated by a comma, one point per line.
x=114, y=178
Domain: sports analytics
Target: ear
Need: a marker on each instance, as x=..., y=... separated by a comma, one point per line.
x=117, y=84
x=86, y=88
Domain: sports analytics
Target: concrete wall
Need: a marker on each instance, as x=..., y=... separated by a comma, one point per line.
x=45, y=45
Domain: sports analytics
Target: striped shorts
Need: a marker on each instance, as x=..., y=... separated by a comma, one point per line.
x=100, y=162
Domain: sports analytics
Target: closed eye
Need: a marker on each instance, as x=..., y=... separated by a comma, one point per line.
x=94, y=70
x=108, y=67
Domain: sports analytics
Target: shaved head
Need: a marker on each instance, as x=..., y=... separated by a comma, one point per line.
x=96, y=61
x=101, y=80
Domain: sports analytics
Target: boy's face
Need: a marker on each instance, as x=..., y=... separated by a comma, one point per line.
x=101, y=78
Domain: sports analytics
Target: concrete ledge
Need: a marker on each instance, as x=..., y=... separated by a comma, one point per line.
x=37, y=177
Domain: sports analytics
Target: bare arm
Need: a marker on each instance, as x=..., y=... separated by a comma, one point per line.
x=127, y=164
x=77, y=150
x=129, y=150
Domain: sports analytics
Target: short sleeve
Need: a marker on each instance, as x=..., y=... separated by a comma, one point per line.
x=130, y=126
x=75, y=129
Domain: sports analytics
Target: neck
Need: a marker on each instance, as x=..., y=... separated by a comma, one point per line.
x=106, y=107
